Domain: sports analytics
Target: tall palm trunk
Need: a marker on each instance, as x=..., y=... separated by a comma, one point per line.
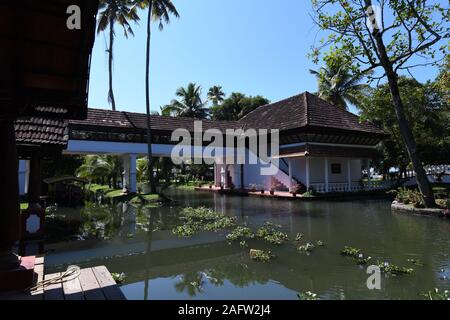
x=110, y=64
x=147, y=101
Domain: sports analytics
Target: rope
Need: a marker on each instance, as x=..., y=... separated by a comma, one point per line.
x=72, y=272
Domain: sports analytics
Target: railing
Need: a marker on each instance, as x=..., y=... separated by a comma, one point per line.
x=352, y=187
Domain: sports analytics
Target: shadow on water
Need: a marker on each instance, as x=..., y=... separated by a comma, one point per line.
x=138, y=240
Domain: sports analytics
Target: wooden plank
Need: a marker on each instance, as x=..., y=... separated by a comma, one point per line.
x=38, y=294
x=72, y=289
x=53, y=291
x=39, y=260
x=109, y=286
x=89, y=284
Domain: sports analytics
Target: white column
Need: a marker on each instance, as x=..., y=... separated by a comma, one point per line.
x=349, y=175
x=126, y=172
x=369, y=184
x=24, y=176
x=307, y=173
x=290, y=175
x=327, y=187
x=215, y=174
x=133, y=181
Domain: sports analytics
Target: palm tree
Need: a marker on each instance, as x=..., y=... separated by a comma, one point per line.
x=115, y=11
x=339, y=86
x=190, y=103
x=216, y=95
x=158, y=10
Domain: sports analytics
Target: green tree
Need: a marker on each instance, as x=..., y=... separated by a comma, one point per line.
x=97, y=168
x=385, y=36
x=112, y=12
x=425, y=109
x=216, y=95
x=189, y=104
x=160, y=11
x=236, y=106
x=337, y=85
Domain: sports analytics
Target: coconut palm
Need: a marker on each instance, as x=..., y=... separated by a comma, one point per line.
x=339, y=86
x=189, y=104
x=160, y=11
x=112, y=12
x=216, y=95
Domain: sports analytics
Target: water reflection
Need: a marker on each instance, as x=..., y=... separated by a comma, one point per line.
x=138, y=240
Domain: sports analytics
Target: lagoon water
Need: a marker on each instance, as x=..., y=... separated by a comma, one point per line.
x=158, y=265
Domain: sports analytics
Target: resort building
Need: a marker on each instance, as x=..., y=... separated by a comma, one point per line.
x=320, y=146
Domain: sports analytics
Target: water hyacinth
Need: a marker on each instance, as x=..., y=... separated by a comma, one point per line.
x=261, y=255
x=308, y=295
x=436, y=294
x=200, y=219
x=306, y=248
x=240, y=233
x=390, y=268
x=270, y=234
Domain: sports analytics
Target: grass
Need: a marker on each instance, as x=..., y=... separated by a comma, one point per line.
x=191, y=185
x=111, y=193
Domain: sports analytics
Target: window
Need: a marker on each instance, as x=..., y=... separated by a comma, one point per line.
x=336, y=168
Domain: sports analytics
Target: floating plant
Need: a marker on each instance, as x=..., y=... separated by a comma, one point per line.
x=320, y=243
x=240, y=233
x=261, y=255
x=202, y=219
x=390, y=268
x=416, y=262
x=119, y=278
x=350, y=252
x=308, y=295
x=306, y=248
x=436, y=294
x=270, y=234
x=299, y=236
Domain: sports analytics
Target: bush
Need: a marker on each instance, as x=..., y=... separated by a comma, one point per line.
x=410, y=196
x=443, y=203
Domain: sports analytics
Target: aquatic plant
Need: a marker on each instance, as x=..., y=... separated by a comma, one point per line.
x=119, y=278
x=417, y=262
x=240, y=233
x=270, y=234
x=308, y=295
x=436, y=294
x=299, y=236
x=306, y=248
x=390, y=268
x=350, y=252
x=261, y=255
x=200, y=219
x=320, y=243
x=361, y=260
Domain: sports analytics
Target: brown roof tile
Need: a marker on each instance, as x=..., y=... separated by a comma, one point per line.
x=306, y=110
x=41, y=131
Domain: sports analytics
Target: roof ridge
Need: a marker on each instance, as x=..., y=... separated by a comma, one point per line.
x=305, y=97
x=272, y=103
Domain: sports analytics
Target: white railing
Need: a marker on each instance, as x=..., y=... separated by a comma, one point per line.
x=352, y=187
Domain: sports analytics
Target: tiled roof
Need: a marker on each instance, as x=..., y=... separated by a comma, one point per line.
x=305, y=110
x=41, y=131
x=131, y=120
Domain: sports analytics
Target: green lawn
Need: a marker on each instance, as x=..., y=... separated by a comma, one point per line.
x=117, y=193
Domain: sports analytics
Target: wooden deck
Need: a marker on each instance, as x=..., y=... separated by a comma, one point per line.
x=94, y=283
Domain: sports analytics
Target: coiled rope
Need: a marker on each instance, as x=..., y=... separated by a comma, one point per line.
x=71, y=273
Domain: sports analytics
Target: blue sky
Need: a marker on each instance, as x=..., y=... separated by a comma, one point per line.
x=250, y=46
